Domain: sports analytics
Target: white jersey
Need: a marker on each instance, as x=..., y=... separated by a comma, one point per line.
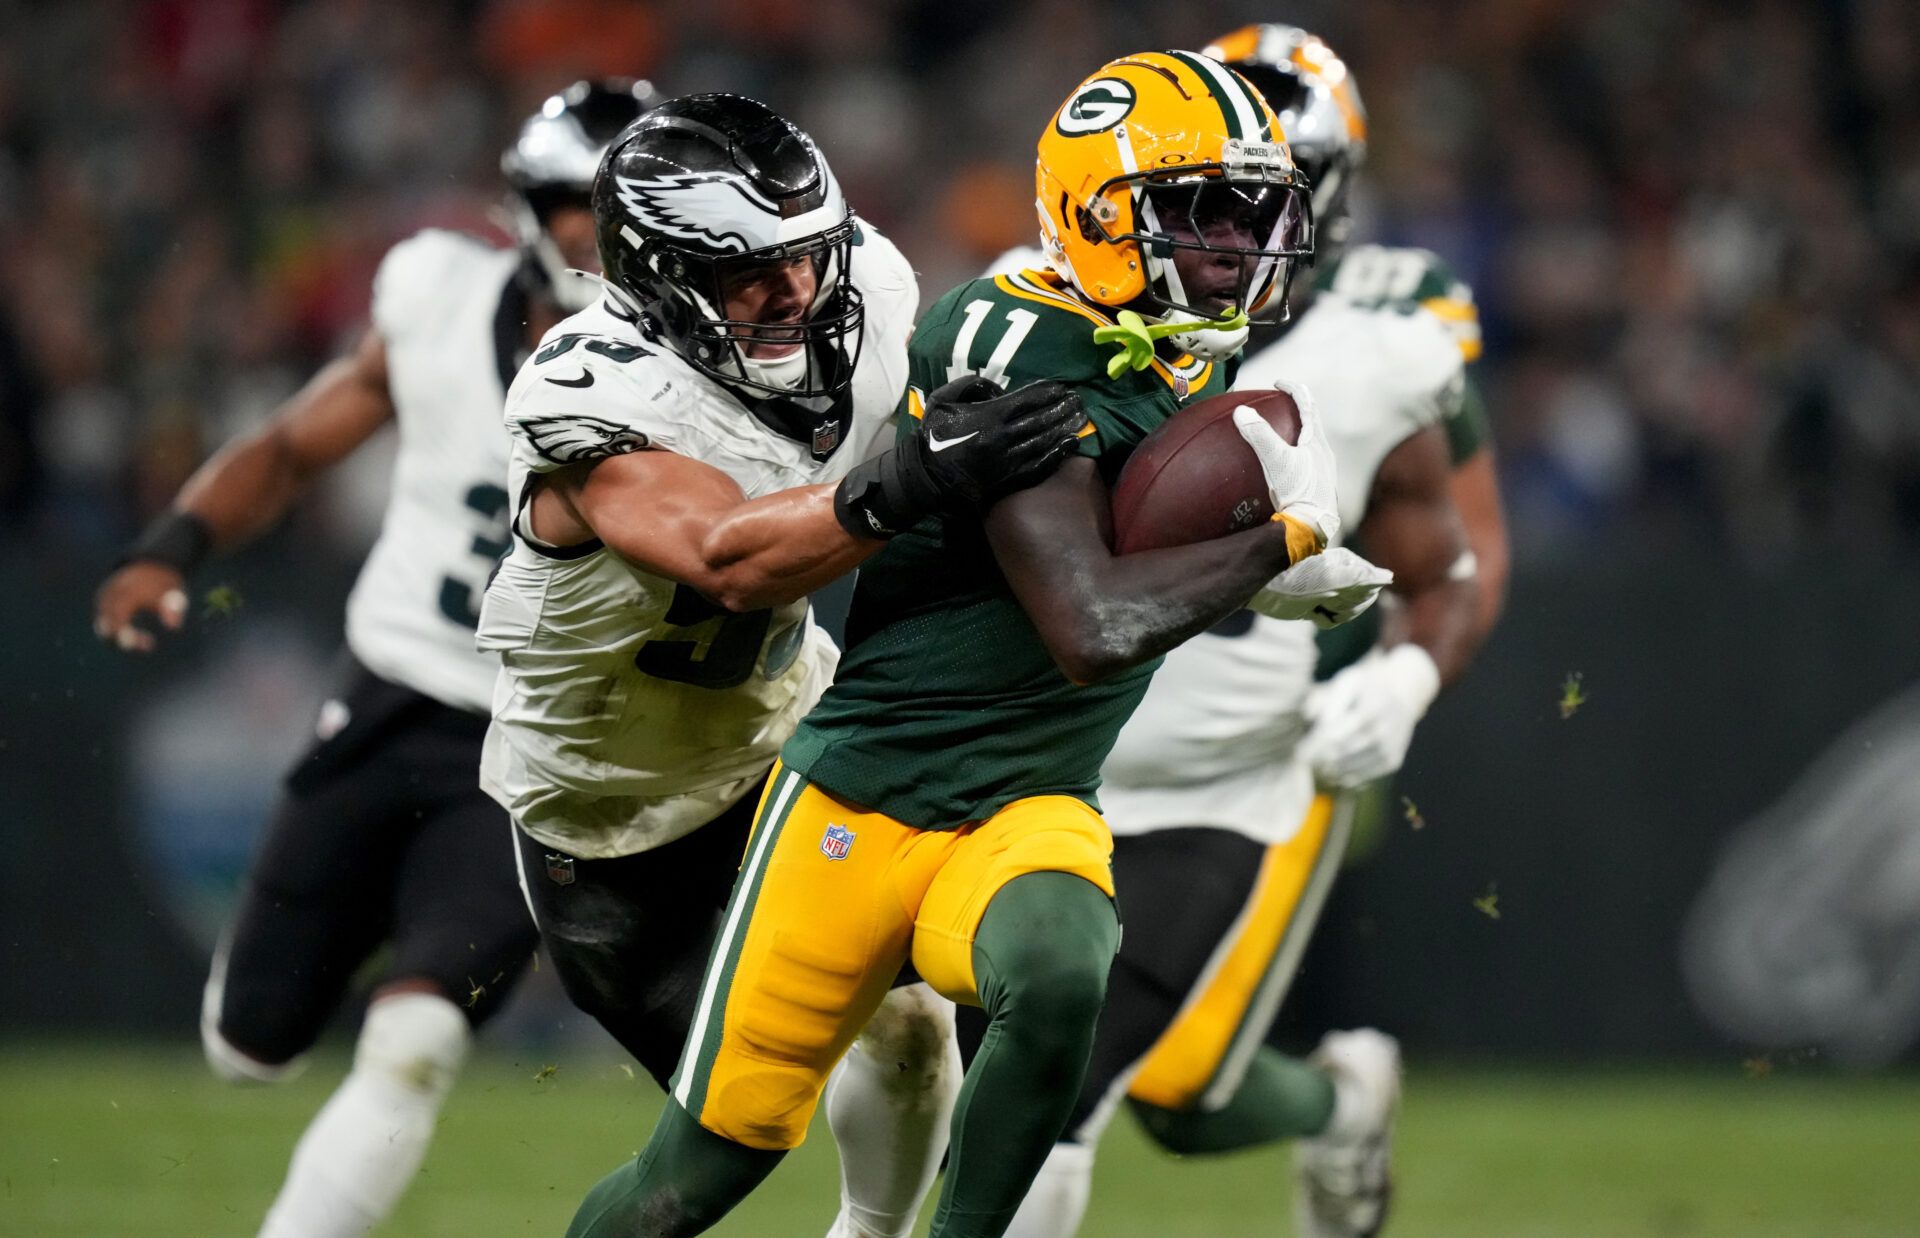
x=446, y=307
x=630, y=710
x=1213, y=740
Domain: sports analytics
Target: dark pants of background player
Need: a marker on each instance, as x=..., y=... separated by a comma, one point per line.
x=629, y=936
x=382, y=835
x=1179, y=893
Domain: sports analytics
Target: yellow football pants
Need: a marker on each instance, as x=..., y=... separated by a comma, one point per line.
x=831, y=902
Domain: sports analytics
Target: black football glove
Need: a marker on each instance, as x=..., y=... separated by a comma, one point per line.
x=974, y=445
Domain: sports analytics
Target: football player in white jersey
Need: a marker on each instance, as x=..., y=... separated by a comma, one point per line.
x=1229, y=790
x=381, y=834
x=694, y=454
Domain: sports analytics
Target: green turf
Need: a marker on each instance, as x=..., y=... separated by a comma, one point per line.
x=101, y=1142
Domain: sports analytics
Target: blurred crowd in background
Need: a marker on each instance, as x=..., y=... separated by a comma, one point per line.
x=1693, y=228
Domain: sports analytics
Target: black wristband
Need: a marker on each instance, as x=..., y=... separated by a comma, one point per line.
x=180, y=540
x=884, y=496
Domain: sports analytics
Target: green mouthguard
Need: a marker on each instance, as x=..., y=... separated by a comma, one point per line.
x=1134, y=336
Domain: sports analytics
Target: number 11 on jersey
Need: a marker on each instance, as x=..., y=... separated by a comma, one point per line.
x=1019, y=322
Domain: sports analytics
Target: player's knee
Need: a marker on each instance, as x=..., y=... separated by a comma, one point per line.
x=262, y=1060
x=417, y=1040
x=1048, y=964
x=1058, y=989
x=912, y=1029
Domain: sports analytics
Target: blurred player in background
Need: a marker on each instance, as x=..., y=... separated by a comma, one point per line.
x=382, y=835
x=937, y=805
x=1230, y=790
x=693, y=455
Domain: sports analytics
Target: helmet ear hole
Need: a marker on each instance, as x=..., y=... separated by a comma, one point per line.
x=1089, y=229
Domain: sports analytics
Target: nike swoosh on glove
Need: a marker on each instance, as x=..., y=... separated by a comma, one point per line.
x=1361, y=721
x=1329, y=588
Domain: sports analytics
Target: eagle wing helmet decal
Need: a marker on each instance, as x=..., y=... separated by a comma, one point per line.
x=722, y=213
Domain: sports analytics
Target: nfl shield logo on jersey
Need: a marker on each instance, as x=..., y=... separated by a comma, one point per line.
x=559, y=869
x=836, y=842
x=825, y=439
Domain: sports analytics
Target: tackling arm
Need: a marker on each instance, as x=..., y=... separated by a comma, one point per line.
x=245, y=489
x=690, y=522
x=678, y=518
x=1099, y=613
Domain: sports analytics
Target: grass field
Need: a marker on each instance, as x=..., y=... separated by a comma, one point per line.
x=102, y=1142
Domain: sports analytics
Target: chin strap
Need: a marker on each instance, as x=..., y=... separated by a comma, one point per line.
x=1135, y=337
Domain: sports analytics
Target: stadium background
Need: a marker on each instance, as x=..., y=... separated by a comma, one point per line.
x=1694, y=235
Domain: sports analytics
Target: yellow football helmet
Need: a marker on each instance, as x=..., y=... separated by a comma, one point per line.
x=1314, y=94
x=1161, y=152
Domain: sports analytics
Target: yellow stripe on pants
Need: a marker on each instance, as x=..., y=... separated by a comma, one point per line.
x=1189, y=1054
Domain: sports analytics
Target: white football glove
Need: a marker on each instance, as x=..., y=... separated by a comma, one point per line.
x=1328, y=588
x=1300, y=476
x=1361, y=721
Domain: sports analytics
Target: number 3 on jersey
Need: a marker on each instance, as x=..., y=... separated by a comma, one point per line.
x=1019, y=323
x=459, y=598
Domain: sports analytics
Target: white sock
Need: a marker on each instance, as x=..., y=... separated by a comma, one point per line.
x=889, y=1103
x=363, y=1147
x=1056, y=1203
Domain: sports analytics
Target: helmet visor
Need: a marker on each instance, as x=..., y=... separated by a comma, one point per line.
x=784, y=320
x=1222, y=242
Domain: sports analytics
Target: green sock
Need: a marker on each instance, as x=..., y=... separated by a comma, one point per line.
x=1282, y=1098
x=1040, y=961
x=682, y=1183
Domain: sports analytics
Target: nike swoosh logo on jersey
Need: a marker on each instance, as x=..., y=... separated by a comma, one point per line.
x=939, y=444
x=585, y=380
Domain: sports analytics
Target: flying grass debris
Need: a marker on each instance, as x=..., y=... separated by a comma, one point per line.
x=1573, y=695
x=1488, y=904
x=221, y=602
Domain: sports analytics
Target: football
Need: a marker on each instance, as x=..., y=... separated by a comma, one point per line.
x=1195, y=478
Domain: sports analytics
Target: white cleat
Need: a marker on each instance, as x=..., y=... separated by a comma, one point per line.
x=1341, y=1179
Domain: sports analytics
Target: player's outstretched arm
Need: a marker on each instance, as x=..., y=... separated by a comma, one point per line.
x=243, y=490
x=1100, y=613
x=676, y=517
x=688, y=521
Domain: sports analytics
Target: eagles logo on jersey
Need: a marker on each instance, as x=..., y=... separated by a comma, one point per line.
x=571, y=439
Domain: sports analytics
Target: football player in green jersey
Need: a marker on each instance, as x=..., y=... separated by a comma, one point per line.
x=937, y=808
x=1233, y=789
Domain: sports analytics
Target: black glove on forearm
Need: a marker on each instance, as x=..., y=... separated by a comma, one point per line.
x=974, y=444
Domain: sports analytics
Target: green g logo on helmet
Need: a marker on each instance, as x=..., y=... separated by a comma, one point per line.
x=1097, y=106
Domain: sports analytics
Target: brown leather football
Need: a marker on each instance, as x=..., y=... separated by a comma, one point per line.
x=1195, y=478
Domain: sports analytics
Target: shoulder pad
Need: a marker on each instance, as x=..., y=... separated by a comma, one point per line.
x=878, y=263
x=1407, y=281
x=594, y=389
x=1013, y=329
x=418, y=273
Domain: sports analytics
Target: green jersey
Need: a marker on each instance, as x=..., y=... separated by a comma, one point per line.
x=947, y=706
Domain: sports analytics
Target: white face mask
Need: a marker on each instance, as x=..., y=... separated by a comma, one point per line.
x=786, y=372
